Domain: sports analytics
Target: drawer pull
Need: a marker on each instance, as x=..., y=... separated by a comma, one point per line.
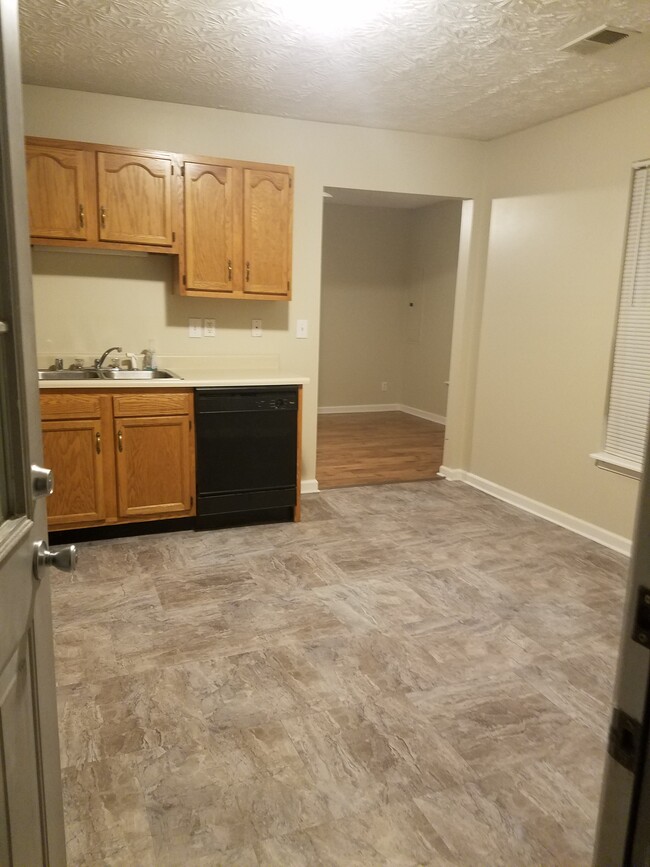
x=119, y=441
x=98, y=443
x=229, y=269
x=102, y=215
x=82, y=216
x=248, y=271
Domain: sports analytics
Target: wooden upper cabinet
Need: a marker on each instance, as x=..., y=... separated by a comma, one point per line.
x=60, y=192
x=135, y=199
x=267, y=224
x=212, y=227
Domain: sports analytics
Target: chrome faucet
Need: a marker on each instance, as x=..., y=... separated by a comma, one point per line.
x=100, y=361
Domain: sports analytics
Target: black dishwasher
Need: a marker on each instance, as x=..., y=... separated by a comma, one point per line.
x=246, y=449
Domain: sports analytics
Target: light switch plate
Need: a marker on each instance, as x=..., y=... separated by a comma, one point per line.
x=195, y=328
x=209, y=328
x=256, y=327
x=301, y=328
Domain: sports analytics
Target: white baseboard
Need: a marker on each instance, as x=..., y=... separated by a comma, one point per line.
x=563, y=519
x=367, y=407
x=309, y=486
x=383, y=407
x=421, y=413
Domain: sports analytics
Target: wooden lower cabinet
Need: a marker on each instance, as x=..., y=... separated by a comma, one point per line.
x=153, y=473
x=118, y=467
x=72, y=449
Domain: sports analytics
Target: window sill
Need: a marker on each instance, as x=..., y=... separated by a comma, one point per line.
x=617, y=465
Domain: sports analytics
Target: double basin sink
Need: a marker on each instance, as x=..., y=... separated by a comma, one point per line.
x=104, y=373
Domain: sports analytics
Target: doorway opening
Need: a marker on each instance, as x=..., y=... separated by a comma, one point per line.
x=388, y=282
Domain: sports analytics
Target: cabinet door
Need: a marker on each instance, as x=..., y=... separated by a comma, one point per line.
x=213, y=227
x=267, y=232
x=135, y=199
x=73, y=451
x=154, y=473
x=58, y=187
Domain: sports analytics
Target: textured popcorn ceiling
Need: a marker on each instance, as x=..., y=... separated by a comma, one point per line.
x=470, y=68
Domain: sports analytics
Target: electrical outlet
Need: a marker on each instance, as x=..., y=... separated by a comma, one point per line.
x=195, y=328
x=209, y=328
x=301, y=328
x=384, y=386
x=256, y=327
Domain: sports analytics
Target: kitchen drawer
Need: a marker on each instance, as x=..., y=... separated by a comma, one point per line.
x=152, y=403
x=70, y=405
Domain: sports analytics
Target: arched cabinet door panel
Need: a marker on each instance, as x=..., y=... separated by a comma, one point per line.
x=59, y=189
x=135, y=199
x=212, y=236
x=267, y=223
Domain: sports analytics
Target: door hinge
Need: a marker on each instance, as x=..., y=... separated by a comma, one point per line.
x=182, y=171
x=289, y=284
x=641, y=629
x=173, y=237
x=184, y=279
x=624, y=739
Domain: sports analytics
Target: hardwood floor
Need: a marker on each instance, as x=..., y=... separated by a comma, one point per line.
x=370, y=448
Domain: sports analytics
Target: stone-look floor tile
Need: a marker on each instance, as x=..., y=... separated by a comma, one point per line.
x=550, y=806
x=339, y=774
x=105, y=827
x=197, y=823
x=283, y=802
x=84, y=652
x=476, y=829
x=80, y=720
x=493, y=722
x=480, y=645
x=270, y=748
x=285, y=571
x=394, y=834
x=415, y=674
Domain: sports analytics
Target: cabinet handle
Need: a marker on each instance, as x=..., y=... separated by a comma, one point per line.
x=82, y=216
x=119, y=441
x=102, y=216
x=248, y=271
x=230, y=269
x=98, y=443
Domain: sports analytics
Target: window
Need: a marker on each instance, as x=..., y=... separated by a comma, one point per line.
x=629, y=391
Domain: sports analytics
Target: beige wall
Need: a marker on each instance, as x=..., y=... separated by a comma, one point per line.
x=433, y=265
x=365, y=260
x=388, y=285
x=96, y=302
x=556, y=240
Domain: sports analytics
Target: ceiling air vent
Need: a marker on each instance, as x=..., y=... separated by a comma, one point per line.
x=596, y=40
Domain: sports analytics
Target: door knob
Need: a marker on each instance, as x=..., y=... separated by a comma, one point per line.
x=42, y=482
x=65, y=559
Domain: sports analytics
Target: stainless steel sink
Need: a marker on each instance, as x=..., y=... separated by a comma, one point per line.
x=104, y=373
x=66, y=375
x=114, y=373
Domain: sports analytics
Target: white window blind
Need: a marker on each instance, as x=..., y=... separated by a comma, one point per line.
x=629, y=396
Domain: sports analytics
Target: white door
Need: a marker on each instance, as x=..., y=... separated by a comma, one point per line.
x=623, y=836
x=31, y=815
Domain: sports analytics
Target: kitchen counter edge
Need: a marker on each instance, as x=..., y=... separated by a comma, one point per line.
x=191, y=380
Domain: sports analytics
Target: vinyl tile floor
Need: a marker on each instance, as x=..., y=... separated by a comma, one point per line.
x=415, y=674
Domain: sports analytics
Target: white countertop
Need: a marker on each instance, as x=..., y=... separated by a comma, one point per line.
x=189, y=379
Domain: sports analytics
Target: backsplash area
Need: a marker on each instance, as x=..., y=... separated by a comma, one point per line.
x=85, y=302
